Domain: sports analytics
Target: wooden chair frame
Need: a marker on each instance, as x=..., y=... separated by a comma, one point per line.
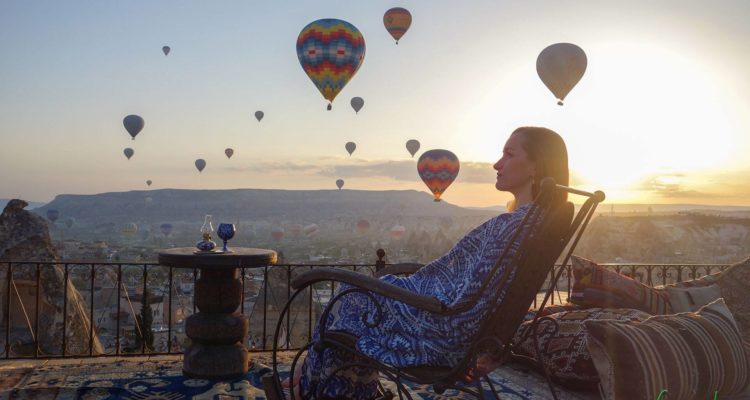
x=542, y=236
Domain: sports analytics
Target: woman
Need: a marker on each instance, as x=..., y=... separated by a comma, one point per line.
x=408, y=336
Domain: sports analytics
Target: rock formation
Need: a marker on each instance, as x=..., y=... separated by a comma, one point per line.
x=24, y=236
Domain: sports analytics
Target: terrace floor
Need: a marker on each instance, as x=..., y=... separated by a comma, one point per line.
x=160, y=378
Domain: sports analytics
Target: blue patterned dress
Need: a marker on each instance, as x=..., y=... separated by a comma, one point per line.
x=408, y=336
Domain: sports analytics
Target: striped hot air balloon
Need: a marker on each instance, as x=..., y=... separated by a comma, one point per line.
x=330, y=51
x=397, y=21
x=438, y=169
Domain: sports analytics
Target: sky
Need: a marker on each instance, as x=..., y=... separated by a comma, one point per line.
x=661, y=115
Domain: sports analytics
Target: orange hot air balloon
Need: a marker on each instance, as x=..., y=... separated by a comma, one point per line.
x=397, y=232
x=277, y=232
x=295, y=229
x=397, y=21
x=438, y=169
x=363, y=226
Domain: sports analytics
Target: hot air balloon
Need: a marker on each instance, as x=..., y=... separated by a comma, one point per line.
x=397, y=232
x=133, y=124
x=166, y=229
x=363, y=226
x=277, y=232
x=229, y=152
x=438, y=169
x=412, y=146
x=357, y=103
x=339, y=183
x=560, y=66
x=311, y=230
x=166, y=50
x=397, y=21
x=52, y=215
x=148, y=182
x=69, y=222
x=330, y=51
x=259, y=115
x=128, y=152
x=129, y=229
x=350, y=147
x=295, y=229
x=446, y=222
x=200, y=164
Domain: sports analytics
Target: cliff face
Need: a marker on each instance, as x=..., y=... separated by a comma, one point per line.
x=24, y=237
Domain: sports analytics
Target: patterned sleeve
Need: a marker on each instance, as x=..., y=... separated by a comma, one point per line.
x=448, y=276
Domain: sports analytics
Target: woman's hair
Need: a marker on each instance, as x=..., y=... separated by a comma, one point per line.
x=546, y=149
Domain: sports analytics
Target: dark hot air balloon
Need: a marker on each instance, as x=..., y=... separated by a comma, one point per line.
x=412, y=146
x=166, y=50
x=128, y=152
x=133, y=124
x=229, y=152
x=259, y=115
x=560, y=66
x=200, y=164
x=53, y=215
x=339, y=183
x=357, y=103
x=350, y=147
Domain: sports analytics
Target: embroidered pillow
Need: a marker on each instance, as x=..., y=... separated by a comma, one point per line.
x=550, y=309
x=564, y=350
x=596, y=286
x=683, y=299
x=693, y=355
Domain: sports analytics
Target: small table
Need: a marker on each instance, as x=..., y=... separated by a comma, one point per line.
x=218, y=330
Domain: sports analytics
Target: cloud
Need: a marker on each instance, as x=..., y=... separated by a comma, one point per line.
x=670, y=185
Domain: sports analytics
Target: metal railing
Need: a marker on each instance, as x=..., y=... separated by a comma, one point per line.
x=265, y=291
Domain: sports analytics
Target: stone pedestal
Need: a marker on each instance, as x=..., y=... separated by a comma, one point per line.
x=217, y=332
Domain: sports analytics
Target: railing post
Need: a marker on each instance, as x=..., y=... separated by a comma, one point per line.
x=380, y=263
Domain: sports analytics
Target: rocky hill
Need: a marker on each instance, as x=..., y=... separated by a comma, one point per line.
x=248, y=204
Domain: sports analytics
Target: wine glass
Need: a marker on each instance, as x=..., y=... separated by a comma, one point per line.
x=226, y=232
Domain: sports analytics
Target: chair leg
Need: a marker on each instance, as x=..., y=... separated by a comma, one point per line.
x=495, y=394
x=271, y=387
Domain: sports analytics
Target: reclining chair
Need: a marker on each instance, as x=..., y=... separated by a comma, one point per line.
x=541, y=238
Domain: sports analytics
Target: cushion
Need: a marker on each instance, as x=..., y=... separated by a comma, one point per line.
x=550, y=309
x=596, y=286
x=683, y=299
x=693, y=355
x=564, y=350
x=735, y=289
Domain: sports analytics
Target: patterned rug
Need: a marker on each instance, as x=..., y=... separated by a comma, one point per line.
x=163, y=380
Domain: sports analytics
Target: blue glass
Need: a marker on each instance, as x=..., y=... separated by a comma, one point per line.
x=226, y=232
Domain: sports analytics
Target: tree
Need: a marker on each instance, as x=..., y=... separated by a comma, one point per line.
x=144, y=320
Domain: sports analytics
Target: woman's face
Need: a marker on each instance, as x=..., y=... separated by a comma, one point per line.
x=514, y=170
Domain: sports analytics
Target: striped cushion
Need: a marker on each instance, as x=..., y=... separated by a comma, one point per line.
x=692, y=355
x=596, y=286
x=563, y=346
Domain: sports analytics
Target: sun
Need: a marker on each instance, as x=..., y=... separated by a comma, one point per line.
x=640, y=111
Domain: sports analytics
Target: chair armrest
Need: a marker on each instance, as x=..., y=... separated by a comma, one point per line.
x=399, y=269
x=374, y=285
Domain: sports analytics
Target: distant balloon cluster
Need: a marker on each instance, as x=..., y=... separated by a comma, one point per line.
x=331, y=51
